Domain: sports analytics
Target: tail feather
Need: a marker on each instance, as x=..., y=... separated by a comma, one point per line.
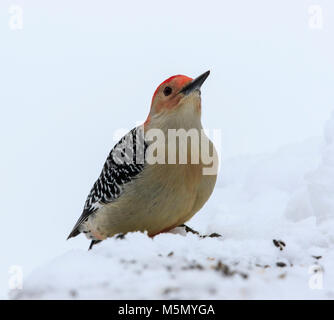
x=73, y=233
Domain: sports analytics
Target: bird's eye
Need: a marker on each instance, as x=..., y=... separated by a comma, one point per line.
x=167, y=91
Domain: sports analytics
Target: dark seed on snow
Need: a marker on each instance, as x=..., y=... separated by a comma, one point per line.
x=214, y=235
x=281, y=264
x=279, y=244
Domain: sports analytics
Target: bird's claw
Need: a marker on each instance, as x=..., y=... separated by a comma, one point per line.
x=188, y=229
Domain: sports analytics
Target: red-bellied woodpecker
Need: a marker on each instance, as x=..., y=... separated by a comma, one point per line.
x=137, y=192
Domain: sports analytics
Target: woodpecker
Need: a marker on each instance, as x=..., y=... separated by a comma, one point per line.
x=135, y=195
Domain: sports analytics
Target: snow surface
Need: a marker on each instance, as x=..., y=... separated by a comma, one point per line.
x=286, y=196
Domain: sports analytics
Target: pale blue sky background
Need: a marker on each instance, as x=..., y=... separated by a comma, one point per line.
x=79, y=70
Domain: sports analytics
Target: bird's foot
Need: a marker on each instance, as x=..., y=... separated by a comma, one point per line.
x=188, y=229
x=93, y=243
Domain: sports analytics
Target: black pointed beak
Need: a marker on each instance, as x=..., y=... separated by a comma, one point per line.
x=195, y=84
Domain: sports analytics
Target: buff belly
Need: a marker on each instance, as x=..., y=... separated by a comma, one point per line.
x=175, y=193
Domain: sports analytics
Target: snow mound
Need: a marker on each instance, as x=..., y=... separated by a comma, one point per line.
x=174, y=266
x=275, y=213
x=316, y=196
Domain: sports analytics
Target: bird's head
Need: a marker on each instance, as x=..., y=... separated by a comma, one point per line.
x=176, y=98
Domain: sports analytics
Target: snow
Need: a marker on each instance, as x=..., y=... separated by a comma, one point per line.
x=316, y=196
x=284, y=196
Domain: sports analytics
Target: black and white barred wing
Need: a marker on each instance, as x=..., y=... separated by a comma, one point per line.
x=124, y=162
